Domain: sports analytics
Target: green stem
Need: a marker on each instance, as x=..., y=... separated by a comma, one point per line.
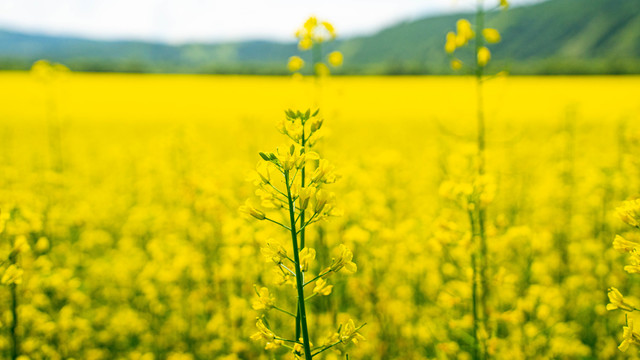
x=301, y=217
x=299, y=280
x=328, y=347
x=317, y=277
x=283, y=310
x=474, y=288
x=277, y=223
x=483, y=251
x=14, y=321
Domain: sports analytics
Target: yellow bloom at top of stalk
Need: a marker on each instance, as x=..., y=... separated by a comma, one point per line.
x=617, y=301
x=504, y=4
x=314, y=32
x=311, y=35
x=464, y=32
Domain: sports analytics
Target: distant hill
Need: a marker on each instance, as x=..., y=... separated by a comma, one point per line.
x=553, y=37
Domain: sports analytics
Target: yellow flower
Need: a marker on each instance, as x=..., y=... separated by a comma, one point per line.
x=295, y=63
x=335, y=58
x=322, y=197
x=265, y=334
x=316, y=124
x=465, y=33
x=294, y=129
x=248, y=209
x=634, y=268
x=504, y=4
x=13, y=275
x=274, y=251
x=456, y=64
x=322, y=69
x=307, y=255
x=484, y=55
x=268, y=198
x=311, y=23
x=290, y=158
x=305, y=43
x=20, y=245
x=491, y=35
x=349, y=333
x=265, y=300
x=263, y=171
x=324, y=173
x=617, y=301
x=304, y=195
x=344, y=261
x=322, y=287
x=623, y=245
x=628, y=336
x=42, y=244
x=450, y=45
x=330, y=29
x=629, y=212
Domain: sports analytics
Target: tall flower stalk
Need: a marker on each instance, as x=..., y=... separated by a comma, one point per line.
x=476, y=197
x=629, y=213
x=293, y=201
x=12, y=277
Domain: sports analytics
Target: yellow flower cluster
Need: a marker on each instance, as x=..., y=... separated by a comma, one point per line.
x=311, y=36
x=464, y=34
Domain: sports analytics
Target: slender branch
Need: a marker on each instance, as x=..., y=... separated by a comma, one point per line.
x=287, y=340
x=317, y=277
x=289, y=270
x=278, y=190
x=327, y=348
x=275, y=222
x=283, y=310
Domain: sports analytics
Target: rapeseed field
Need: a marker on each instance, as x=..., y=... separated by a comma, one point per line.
x=123, y=240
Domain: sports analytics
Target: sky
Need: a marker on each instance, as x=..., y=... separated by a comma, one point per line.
x=180, y=21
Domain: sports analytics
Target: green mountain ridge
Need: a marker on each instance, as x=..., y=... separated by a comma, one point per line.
x=552, y=37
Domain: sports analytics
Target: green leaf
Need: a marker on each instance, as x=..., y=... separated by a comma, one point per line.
x=264, y=156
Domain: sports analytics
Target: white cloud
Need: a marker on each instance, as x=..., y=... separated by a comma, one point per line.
x=210, y=20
